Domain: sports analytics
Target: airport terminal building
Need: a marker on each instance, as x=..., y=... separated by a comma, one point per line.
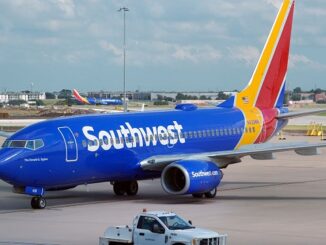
x=10, y=96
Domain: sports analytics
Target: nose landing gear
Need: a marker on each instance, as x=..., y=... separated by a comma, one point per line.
x=127, y=187
x=38, y=202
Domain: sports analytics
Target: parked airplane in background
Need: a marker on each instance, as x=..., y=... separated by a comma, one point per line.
x=186, y=147
x=96, y=101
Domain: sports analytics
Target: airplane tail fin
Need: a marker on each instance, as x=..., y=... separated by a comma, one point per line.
x=267, y=85
x=79, y=97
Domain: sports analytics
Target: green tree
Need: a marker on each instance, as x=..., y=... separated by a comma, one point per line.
x=49, y=96
x=297, y=90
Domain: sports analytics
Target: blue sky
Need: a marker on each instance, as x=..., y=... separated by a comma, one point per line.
x=182, y=45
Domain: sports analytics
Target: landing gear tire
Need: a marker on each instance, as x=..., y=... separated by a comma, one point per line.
x=38, y=203
x=119, y=188
x=132, y=188
x=198, y=195
x=211, y=194
x=129, y=187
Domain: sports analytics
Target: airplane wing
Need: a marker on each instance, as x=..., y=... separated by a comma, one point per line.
x=299, y=114
x=224, y=158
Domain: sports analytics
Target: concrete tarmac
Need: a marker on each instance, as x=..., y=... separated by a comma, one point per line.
x=281, y=201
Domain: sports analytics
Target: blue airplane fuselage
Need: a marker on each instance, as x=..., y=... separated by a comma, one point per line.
x=89, y=149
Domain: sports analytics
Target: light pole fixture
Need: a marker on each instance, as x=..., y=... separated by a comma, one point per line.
x=124, y=9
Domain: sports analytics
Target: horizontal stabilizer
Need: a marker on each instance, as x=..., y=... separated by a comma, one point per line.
x=300, y=114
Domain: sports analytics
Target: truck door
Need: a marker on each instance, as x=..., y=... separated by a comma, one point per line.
x=144, y=233
x=70, y=144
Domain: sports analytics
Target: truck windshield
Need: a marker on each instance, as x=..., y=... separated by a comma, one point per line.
x=174, y=222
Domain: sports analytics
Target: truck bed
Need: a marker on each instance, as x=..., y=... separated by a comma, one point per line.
x=117, y=234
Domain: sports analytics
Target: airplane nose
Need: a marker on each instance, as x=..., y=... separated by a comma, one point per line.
x=6, y=160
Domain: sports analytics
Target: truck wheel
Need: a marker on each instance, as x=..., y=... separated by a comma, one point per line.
x=211, y=194
x=119, y=188
x=198, y=195
x=132, y=188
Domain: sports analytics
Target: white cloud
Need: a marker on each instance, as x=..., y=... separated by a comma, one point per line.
x=111, y=48
x=319, y=12
x=275, y=3
x=67, y=6
x=298, y=59
x=246, y=54
x=196, y=54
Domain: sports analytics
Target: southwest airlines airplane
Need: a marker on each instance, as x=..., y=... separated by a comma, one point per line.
x=96, y=101
x=186, y=147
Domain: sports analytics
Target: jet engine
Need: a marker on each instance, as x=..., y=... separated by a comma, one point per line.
x=190, y=177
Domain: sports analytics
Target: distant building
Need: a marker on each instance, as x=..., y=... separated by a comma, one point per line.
x=320, y=98
x=10, y=96
x=153, y=96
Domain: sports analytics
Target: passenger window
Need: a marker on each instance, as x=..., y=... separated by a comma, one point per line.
x=204, y=133
x=213, y=132
x=208, y=132
x=199, y=134
x=217, y=132
x=230, y=131
x=190, y=135
x=195, y=134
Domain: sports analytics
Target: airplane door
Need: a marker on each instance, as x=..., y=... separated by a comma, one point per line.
x=70, y=144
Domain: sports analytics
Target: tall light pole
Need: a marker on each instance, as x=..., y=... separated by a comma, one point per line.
x=124, y=9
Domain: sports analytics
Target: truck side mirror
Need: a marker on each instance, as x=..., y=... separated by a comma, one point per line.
x=190, y=222
x=158, y=229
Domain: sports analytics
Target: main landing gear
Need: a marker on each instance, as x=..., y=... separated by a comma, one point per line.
x=126, y=187
x=210, y=194
x=38, y=203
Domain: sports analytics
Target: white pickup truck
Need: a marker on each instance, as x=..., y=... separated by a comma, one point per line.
x=160, y=228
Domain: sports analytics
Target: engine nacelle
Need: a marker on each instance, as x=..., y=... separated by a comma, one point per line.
x=190, y=176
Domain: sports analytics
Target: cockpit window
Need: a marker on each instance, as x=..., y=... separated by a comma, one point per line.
x=17, y=144
x=38, y=144
x=28, y=144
